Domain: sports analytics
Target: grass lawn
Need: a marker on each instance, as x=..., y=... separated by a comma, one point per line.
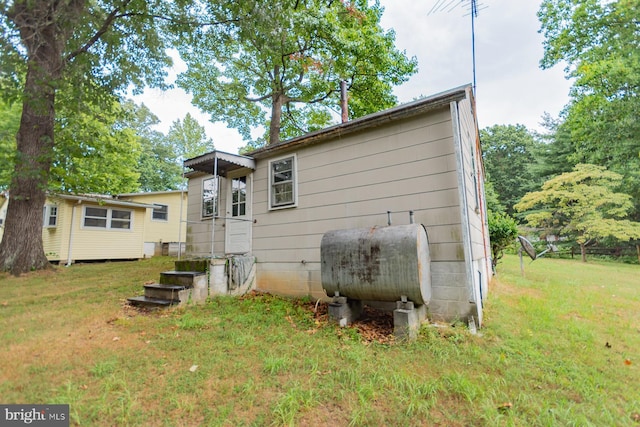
x=560, y=346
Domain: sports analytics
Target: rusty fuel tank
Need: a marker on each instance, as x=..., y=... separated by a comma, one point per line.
x=377, y=263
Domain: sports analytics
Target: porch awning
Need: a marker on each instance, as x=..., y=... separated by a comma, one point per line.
x=226, y=162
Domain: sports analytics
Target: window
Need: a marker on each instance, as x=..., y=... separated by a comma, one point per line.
x=282, y=178
x=209, y=198
x=116, y=219
x=239, y=196
x=121, y=219
x=160, y=212
x=50, y=216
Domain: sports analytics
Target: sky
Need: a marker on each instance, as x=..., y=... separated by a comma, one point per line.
x=510, y=86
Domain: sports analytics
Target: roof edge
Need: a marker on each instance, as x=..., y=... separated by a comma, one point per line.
x=406, y=110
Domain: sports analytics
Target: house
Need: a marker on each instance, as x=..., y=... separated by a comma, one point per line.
x=4, y=198
x=98, y=227
x=277, y=202
x=165, y=225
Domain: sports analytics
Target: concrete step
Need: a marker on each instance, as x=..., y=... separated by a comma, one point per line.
x=168, y=292
x=201, y=265
x=183, y=278
x=144, y=301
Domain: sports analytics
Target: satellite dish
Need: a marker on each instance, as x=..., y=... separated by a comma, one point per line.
x=528, y=248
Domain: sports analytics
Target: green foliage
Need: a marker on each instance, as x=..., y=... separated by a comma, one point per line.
x=157, y=164
x=582, y=204
x=508, y=154
x=600, y=43
x=9, y=123
x=555, y=153
x=280, y=62
x=189, y=138
x=492, y=198
x=503, y=231
x=94, y=153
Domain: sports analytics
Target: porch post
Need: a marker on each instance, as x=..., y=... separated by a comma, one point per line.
x=217, y=201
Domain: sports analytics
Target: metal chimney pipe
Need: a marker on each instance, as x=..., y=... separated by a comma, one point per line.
x=343, y=101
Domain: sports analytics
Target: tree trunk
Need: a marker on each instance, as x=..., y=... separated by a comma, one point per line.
x=276, y=118
x=583, y=252
x=21, y=248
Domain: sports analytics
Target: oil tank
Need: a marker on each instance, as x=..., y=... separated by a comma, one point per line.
x=377, y=263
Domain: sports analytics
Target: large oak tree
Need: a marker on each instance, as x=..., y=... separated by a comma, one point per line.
x=91, y=51
x=280, y=62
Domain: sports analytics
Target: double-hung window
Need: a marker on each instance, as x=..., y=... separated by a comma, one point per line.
x=239, y=196
x=282, y=183
x=160, y=213
x=50, y=216
x=107, y=218
x=209, y=198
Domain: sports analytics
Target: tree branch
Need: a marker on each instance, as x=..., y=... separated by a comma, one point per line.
x=103, y=29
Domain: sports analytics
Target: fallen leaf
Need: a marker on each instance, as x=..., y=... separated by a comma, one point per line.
x=84, y=387
x=627, y=362
x=290, y=320
x=193, y=368
x=635, y=417
x=147, y=342
x=505, y=406
x=116, y=338
x=4, y=303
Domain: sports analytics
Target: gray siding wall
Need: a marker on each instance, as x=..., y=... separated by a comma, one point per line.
x=198, y=243
x=352, y=182
x=473, y=187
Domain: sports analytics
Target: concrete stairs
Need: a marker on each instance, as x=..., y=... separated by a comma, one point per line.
x=186, y=284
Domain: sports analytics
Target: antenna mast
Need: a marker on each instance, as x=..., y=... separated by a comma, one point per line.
x=472, y=6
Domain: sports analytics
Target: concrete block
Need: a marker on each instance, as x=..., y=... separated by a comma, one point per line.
x=344, y=311
x=405, y=324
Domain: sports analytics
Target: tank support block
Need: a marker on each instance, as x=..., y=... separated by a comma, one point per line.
x=344, y=311
x=407, y=319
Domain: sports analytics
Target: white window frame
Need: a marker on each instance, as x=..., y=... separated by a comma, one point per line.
x=109, y=219
x=165, y=211
x=239, y=202
x=294, y=183
x=215, y=198
x=50, y=212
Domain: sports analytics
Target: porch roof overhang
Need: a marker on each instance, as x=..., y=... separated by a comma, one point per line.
x=226, y=162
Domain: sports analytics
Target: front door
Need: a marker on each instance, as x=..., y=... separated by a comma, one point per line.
x=238, y=216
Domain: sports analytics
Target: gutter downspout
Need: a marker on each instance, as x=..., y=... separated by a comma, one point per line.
x=69, y=250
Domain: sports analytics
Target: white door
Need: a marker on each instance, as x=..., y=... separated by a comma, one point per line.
x=238, y=216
